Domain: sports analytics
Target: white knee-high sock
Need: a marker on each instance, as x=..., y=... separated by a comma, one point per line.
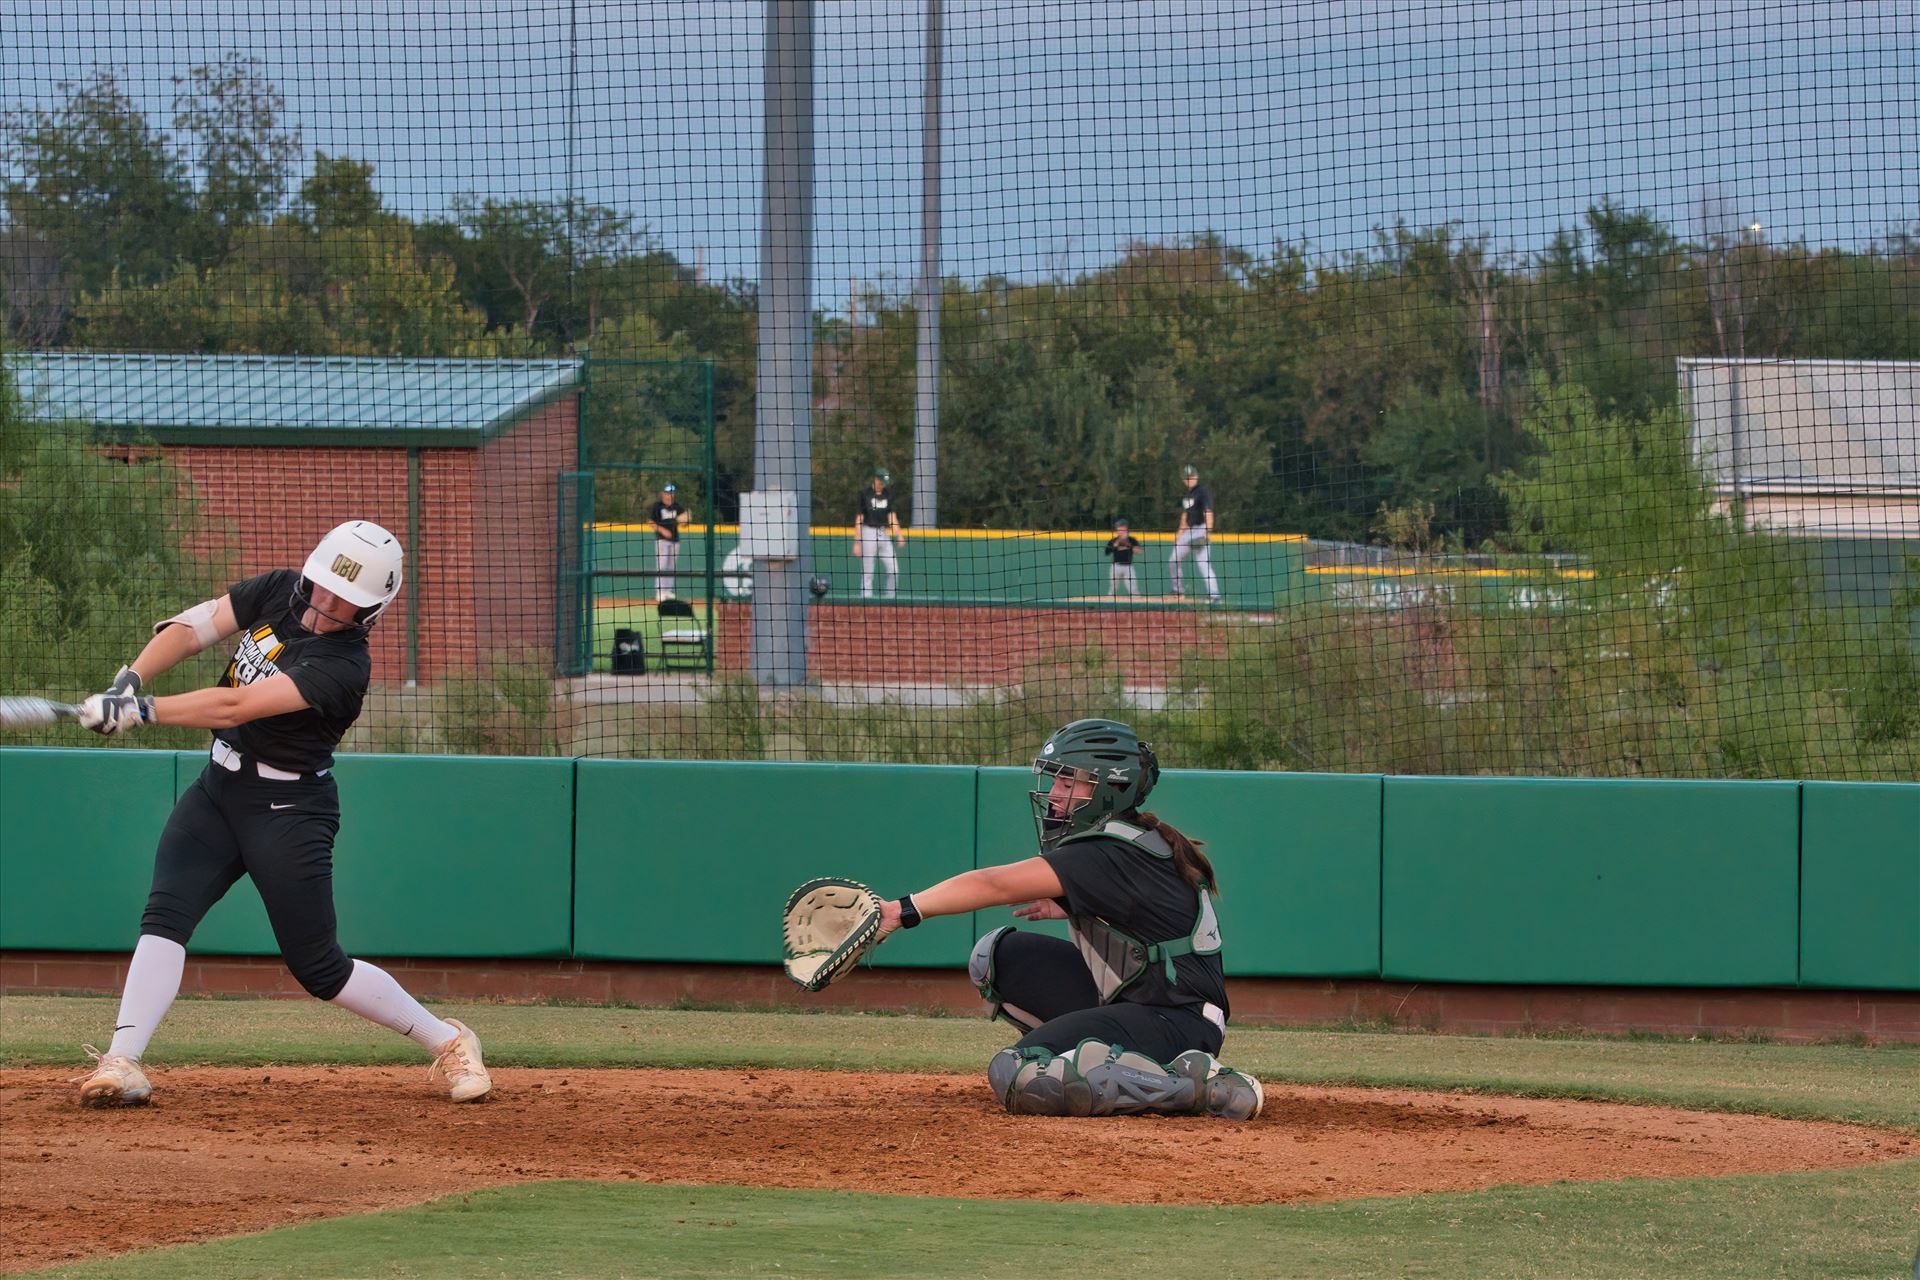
x=372, y=993
x=153, y=980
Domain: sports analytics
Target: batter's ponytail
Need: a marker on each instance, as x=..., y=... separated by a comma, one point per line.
x=1192, y=864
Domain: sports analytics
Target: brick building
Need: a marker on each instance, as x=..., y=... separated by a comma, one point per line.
x=459, y=458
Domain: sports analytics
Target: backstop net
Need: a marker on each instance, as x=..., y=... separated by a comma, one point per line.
x=1421, y=388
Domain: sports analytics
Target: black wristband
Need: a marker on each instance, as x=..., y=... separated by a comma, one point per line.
x=909, y=914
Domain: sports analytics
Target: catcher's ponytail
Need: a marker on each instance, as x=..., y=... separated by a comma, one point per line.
x=1192, y=864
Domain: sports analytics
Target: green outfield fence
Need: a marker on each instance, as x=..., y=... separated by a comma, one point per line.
x=1475, y=880
x=1552, y=375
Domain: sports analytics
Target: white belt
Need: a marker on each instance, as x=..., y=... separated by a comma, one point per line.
x=227, y=758
x=1216, y=1015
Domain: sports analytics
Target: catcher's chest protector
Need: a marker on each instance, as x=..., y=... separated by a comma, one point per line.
x=1120, y=961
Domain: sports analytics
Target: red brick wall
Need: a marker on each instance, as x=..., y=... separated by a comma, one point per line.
x=485, y=559
x=514, y=491
x=905, y=644
x=270, y=506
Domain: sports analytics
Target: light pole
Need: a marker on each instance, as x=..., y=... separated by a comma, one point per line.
x=926, y=400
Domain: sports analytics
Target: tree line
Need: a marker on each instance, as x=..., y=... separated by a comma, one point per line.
x=1382, y=393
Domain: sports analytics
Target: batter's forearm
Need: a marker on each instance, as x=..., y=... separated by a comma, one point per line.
x=215, y=708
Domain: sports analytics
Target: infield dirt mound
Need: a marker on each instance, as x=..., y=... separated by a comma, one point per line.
x=224, y=1150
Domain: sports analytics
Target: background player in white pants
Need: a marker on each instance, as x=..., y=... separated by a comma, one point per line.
x=666, y=516
x=876, y=532
x=1193, y=532
x=266, y=807
x=1121, y=579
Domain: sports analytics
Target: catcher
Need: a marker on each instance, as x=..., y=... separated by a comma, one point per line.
x=1124, y=1019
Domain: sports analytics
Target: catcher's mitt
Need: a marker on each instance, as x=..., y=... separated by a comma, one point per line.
x=829, y=926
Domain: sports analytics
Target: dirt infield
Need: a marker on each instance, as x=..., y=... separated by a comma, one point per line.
x=226, y=1150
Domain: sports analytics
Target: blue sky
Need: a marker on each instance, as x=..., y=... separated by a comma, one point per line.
x=1074, y=127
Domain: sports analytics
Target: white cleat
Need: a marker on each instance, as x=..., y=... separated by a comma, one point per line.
x=116, y=1081
x=458, y=1063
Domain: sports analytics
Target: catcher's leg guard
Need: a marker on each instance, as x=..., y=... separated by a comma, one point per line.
x=1224, y=1092
x=1037, y=1082
x=980, y=967
x=1125, y=1083
x=1101, y=1079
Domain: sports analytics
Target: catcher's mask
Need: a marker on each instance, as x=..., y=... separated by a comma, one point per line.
x=1104, y=754
x=360, y=563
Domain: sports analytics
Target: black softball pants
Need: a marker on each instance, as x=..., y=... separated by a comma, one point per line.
x=280, y=833
x=1046, y=977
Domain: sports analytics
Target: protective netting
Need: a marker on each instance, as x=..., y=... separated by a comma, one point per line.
x=1549, y=376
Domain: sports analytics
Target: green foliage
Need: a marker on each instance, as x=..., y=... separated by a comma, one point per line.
x=97, y=182
x=229, y=119
x=506, y=710
x=285, y=288
x=95, y=546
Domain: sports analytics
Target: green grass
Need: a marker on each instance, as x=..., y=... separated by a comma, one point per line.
x=1858, y=1222
x=645, y=619
x=1878, y=1085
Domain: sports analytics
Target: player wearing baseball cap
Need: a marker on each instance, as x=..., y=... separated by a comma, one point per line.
x=1193, y=533
x=1126, y=1018
x=1120, y=574
x=266, y=805
x=666, y=516
x=876, y=533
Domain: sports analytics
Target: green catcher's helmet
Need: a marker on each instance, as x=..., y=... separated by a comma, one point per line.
x=1105, y=753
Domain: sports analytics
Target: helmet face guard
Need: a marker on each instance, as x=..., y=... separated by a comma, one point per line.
x=1054, y=826
x=1104, y=753
x=362, y=615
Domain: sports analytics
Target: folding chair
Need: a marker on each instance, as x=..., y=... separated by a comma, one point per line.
x=680, y=644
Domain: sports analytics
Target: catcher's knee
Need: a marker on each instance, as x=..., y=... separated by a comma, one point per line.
x=1038, y=1082
x=981, y=965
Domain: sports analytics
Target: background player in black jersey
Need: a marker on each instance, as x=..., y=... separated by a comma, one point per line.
x=1193, y=533
x=266, y=805
x=876, y=532
x=1120, y=574
x=1127, y=1017
x=666, y=516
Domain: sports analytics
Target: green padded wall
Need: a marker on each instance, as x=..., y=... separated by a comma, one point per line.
x=1860, y=885
x=1586, y=881
x=437, y=856
x=77, y=830
x=455, y=856
x=693, y=861
x=1298, y=855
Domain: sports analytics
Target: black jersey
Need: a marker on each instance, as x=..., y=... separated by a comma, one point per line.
x=1146, y=898
x=1121, y=547
x=668, y=515
x=876, y=507
x=331, y=671
x=1194, y=505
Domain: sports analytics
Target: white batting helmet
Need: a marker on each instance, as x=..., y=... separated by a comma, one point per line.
x=361, y=563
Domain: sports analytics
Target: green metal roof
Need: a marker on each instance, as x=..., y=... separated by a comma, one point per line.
x=289, y=400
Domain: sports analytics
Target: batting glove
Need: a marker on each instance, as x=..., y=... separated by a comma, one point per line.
x=110, y=713
x=125, y=680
